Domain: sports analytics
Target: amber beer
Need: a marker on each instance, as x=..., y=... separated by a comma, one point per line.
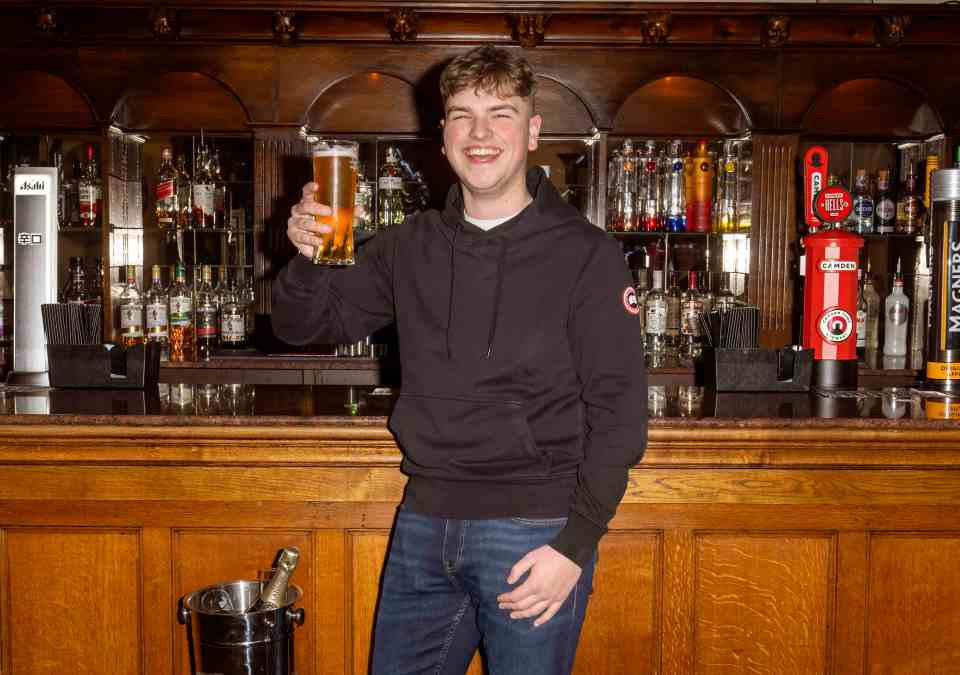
x=335, y=173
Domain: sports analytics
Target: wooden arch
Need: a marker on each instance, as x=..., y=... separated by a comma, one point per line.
x=180, y=101
x=562, y=109
x=37, y=100
x=872, y=107
x=670, y=103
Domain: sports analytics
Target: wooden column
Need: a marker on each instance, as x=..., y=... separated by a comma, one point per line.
x=773, y=234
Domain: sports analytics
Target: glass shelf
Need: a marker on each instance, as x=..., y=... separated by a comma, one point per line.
x=73, y=229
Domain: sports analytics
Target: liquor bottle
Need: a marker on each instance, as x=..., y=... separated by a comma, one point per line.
x=885, y=209
x=219, y=192
x=90, y=199
x=647, y=190
x=861, y=216
x=614, y=167
x=158, y=325
x=75, y=292
x=233, y=333
x=206, y=317
x=390, y=191
x=655, y=318
x=627, y=218
x=896, y=314
x=248, y=299
x=184, y=193
x=273, y=596
x=861, y=323
x=6, y=322
x=182, y=339
x=725, y=298
x=643, y=288
x=673, y=315
x=700, y=211
x=62, y=218
x=725, y=214
x=203, y=191
x=910, y=206
x=745, y=187
x=872, y=300
x=95, y=287
x=932, y=164
x=919, y=300
x=131, y=311
x=71, y=196
x=675, y=205
x=167, y=191
x=691, y=305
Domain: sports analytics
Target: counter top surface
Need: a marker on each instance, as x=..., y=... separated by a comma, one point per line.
x=237, y=405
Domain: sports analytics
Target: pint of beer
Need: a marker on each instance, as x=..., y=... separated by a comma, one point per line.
x=335, y=173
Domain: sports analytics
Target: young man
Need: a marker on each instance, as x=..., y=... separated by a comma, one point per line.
x=523, y=402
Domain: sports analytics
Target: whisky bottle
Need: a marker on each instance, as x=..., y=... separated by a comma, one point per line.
x=273, y=596
x=182, y=340
x=390, y=191
x=131, y=311
x=95, y=287
x=184, y=193
x=206, y=317
x=158, y=326
x=167, y=191
x=910, y=206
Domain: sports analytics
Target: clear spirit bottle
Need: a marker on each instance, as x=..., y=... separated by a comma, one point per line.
x=673, y=315
x=204, y=190
x=233, y=334
x=390, y=210
x=206, y=317
x=691, y=306
x=675, y=206
x=130, y=309
x=725, y=214
x=182, y=339
x=156, y=305
x=655, y=320
x=184, y=193
x=648, y=189
x=872, y=300
x=90, y=197
x=896, y=316
x=76, y=292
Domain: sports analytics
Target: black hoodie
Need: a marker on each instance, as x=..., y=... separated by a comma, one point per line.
x=524, y=390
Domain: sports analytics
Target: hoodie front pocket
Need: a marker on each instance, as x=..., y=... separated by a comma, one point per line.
x=466, y=439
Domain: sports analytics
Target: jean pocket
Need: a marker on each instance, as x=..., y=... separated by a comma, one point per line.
x=540, y=522
x=457, y=438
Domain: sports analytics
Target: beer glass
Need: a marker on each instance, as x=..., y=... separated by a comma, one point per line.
x=335, y=173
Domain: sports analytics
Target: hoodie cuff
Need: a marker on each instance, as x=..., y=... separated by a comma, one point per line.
x=578, y=539
x=303, y=272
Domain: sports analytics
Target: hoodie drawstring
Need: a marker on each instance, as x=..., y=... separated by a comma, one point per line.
x=496, y=298
x=453, y=278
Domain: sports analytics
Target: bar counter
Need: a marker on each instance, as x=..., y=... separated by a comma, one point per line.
x=760, y=533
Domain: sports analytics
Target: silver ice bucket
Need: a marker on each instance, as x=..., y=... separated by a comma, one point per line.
x=225, y=640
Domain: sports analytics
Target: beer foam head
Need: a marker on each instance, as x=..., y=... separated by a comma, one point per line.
x=322, y=149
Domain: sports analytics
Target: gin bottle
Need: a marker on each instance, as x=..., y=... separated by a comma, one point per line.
x=206, y=317
x=655, y=318
x=158, y=324
x=131, y=311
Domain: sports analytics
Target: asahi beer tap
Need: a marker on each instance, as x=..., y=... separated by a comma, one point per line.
x=34, y=269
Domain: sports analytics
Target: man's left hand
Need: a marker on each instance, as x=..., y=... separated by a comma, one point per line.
x=552, y=577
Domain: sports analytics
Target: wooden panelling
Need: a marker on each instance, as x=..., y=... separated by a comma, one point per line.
x=872, y=107
x=368, y=553
x=678, y=104
x=763, y=603
x=202, y=558
x=620, y=633
x=330, y=630
x=773, y=234
x=182, y=101
x=850, y=625
x=679, y=601
x=75, y=601
x=160, y=635
x=914, y=593
x=37, y=101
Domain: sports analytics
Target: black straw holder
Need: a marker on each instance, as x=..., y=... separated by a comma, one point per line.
x=104, y=366
x=755, y=369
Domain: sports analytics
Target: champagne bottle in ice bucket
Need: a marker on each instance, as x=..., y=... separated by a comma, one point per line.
x=272, y=595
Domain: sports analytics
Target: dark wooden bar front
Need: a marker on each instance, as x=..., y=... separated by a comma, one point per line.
x=761, y=545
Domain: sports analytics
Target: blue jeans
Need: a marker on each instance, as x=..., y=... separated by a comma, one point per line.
x=439, y=600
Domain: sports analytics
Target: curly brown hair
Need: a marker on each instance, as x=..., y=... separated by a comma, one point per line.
x=489, y=69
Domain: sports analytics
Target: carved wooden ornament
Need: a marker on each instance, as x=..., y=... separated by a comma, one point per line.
x=656, y=27
x=163, y=23
x=285, y=27
x=402, y=24
x=891, y=30
x=778, y=31
x=47, y=20
x=529, y=29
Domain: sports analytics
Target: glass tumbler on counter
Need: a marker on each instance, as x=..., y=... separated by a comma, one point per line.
x=335, y=173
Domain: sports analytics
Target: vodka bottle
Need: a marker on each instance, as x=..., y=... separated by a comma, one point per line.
x=885, y=208
x=167, y=191
x=648, y=188
x=745, y=187
x=182, y=339
x=206, y=317
x=390, y=208
x=655, y=317
x=872, y=300
x=131, y=311
x=673, y=315
x=675, y=206
x=919, y=300
x=158, y=324
x=274, y=594
x=700, y=211
x=691, y=305
x=248, y=298
x=91, y=200
x=627, y=219
x=614, y=168
x=861, y=216
x=725, y=213
x=861, y=324
x=896, y=314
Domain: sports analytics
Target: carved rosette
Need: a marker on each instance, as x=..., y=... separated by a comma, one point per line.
x=891, y=30
x=778, y=31
x=285, y=27
x=164, y=23
x=47, y=21
x=656, y=28
x=528, y=29
x=402, y=24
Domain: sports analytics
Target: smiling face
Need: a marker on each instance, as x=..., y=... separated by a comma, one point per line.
x=486, y=139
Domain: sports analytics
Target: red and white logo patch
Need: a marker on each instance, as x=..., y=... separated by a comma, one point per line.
x=630, y=301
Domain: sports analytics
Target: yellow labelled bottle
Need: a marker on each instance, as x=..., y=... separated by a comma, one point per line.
x=158, y=324
x=943, y=339
x=182, y=339
x=130, y=309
